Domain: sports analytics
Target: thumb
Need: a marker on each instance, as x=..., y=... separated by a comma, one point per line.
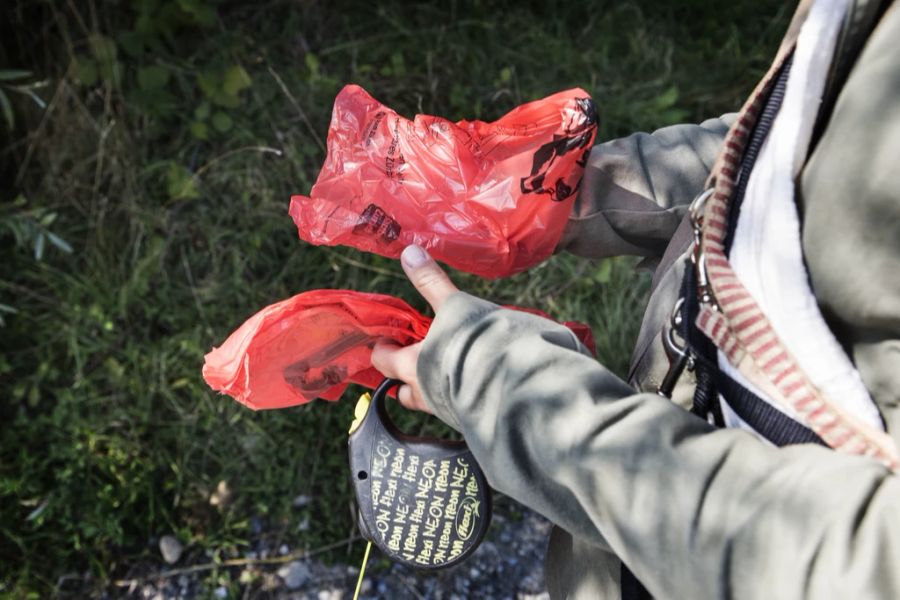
x=425, y=274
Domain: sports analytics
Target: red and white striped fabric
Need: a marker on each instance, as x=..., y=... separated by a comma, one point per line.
x=741, y=330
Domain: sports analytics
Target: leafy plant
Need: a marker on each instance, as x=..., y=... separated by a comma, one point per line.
x=221, y=89
x=31, y=228
x=180, y=183
x=16, y=81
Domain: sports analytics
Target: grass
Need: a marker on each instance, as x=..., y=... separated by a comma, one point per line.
x=173, y=135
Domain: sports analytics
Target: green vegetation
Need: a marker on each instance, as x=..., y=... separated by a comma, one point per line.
x=143, y=216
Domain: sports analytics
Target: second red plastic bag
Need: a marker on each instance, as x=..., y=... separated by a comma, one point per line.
x=315, y=343
x=487, y=198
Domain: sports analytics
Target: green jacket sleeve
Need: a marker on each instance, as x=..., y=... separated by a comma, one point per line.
x=636, y=189
x=695, y=512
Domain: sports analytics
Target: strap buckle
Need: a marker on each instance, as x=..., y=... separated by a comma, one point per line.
x=679, y=355
x=698, y=257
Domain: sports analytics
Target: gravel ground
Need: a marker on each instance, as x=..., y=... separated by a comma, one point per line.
x=508, y=565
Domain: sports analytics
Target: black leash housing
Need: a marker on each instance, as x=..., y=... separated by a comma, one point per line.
x=423, y=501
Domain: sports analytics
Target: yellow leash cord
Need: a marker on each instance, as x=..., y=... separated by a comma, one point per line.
x=362, y=571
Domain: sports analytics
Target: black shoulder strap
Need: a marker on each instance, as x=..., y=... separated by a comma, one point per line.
x=632, y=589
x=770, y=422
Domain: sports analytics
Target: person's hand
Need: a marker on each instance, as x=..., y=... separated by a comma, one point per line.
x=400, y=362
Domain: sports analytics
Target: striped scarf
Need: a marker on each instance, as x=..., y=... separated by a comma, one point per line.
x=735, y=323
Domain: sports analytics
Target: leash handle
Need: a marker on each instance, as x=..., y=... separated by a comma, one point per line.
x=424, y=502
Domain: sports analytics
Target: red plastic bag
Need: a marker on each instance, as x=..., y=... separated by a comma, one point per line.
x=487, y=198
x=312, y=345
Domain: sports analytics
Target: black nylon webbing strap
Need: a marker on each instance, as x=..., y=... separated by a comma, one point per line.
x=706, y=399
x=767, y=420
x=632, y=589
x=751, y=153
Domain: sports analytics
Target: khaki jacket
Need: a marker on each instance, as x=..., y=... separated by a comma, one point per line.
x=694, y=511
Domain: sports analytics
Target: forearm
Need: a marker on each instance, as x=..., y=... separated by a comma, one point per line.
x=681, y=503
x=635, y=189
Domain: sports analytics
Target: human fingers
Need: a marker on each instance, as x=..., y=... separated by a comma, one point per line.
x=425, y=274
x=411, y=397
x=398, y=362
x=395, y=361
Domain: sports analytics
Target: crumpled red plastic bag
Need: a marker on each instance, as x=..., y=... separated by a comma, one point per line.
x=487, y=198
x=314, y=344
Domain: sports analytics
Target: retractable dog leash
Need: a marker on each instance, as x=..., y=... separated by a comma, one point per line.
x=424, y=502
